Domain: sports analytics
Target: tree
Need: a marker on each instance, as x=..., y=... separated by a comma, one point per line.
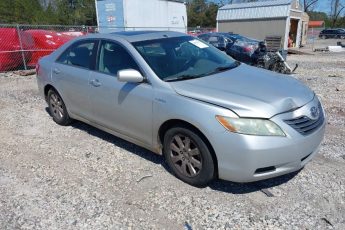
x=51, y=18
x=76, y=12
x=309, y=5
x=196, y=11
x=317, y=16
x=225, y=2
x=21, y=11
x=6, y=11
x=337, y=7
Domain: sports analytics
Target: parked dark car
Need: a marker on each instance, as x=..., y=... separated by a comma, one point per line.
x=249, y=51
x=332, y=33
x=237, y=46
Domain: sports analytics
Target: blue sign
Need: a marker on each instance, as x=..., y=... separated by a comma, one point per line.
x=110, y=15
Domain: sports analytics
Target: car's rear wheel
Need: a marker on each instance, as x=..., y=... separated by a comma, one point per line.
x=57, y=108
x=188, y=156
x=342, y=36
x=323, y=36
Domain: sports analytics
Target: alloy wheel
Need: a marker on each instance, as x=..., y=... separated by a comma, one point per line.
x=56, y=106
x=185, y=155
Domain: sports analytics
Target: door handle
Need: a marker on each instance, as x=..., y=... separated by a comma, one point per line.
x=56, y=71
x=95, y=83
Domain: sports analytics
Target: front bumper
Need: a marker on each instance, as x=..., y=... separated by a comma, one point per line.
x=246, y=158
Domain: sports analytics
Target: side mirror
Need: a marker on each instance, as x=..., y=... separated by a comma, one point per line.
x=130, y=75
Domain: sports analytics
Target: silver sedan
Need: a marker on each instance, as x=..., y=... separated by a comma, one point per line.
x=209, y=115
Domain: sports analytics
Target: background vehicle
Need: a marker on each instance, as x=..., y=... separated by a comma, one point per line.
x=237, y=46
x=46, y=41
x=29, y=46
x=249, y=51
x=11, y=55
x=332, y=33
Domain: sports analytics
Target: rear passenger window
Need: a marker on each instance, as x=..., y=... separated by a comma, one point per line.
x=79, y=55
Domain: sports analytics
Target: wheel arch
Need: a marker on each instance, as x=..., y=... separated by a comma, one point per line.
x=177, y=122
x=46, y=90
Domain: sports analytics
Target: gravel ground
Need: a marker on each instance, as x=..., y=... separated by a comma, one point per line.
x=78, y=177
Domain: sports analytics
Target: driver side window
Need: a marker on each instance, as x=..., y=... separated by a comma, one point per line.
x=113, y=58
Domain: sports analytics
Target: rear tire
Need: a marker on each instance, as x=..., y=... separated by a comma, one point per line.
x=57, y=108
x=188, y=156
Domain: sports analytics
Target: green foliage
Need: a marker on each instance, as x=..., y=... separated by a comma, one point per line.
x=202, y=13
x=322, y=16
x=317, y=16
x=20, y=11
x=63, y=12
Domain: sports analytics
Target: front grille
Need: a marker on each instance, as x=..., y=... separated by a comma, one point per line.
x=304, y=125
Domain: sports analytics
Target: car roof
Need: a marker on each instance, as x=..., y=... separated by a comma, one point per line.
x=134, y=36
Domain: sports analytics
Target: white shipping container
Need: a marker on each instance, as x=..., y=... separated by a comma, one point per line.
x=116, y=15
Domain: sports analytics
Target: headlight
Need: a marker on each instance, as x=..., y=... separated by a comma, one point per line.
x=259, y=127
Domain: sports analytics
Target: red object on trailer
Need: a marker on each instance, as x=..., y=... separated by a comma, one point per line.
x=11, y=55
x=46, y=41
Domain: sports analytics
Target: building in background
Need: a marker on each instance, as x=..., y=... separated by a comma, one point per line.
x=119, y=15
x=275, y=18
x=316, y=24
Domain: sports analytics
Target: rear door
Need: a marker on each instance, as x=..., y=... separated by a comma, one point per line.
x=121, y=106
x=71, y=73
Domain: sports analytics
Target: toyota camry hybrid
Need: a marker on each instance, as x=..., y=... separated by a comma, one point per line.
x=209, y=115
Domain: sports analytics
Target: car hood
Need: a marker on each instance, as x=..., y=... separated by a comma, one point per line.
x=248, y=91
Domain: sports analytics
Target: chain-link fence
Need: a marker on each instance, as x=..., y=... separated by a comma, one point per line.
x=313, y=37
x=316, y=42
x=21, y=46
x=195, y=31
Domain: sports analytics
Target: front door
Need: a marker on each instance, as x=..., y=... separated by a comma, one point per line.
x=123, y=107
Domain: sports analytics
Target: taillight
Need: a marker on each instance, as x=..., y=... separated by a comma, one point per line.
x=248, y=48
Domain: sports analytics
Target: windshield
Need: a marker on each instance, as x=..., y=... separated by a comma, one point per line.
x=181, y=58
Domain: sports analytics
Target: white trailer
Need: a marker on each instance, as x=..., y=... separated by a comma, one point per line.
x=119, y=15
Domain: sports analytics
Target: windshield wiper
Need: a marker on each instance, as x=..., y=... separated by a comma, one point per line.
x=189, y=76
x=181, y=78
x=227, y=67
x=224, y=68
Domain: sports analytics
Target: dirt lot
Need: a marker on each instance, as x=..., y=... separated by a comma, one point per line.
x=54, y=177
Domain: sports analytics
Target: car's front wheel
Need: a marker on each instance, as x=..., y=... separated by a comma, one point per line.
x=57, y=108
x=188, y=156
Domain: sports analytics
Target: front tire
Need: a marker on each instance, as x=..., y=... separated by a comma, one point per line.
x=57, y=108
x=188, y=156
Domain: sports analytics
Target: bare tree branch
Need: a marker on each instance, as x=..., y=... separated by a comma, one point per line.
x=337, y=6
x=309, y=5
